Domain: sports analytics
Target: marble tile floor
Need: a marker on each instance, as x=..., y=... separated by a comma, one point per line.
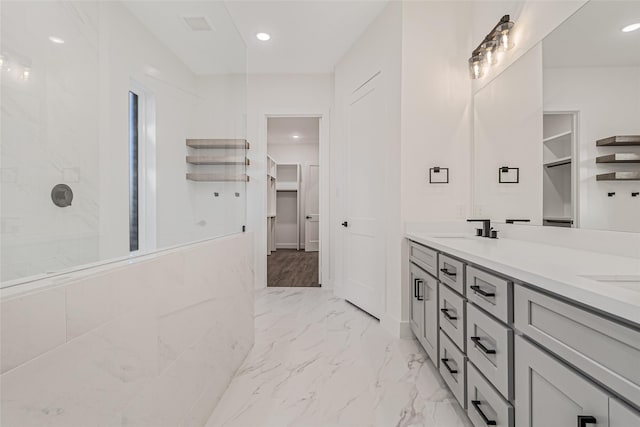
x=318, y=361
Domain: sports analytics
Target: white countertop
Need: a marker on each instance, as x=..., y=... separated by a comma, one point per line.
x=556, y=269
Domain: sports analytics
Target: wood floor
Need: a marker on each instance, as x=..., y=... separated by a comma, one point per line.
x=291, y=268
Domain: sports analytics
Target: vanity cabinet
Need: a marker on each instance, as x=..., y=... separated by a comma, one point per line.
x=423, y=310
x=517, y=357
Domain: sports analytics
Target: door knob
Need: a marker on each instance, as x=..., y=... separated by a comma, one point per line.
x=308, y=217
x=345, y=224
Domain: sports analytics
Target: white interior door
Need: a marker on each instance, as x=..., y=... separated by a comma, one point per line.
x=312, y=210
x=364, y=253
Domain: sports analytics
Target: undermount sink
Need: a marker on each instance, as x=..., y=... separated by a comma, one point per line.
x=625, y=281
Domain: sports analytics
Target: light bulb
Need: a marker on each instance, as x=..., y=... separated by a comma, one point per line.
x=26, y=73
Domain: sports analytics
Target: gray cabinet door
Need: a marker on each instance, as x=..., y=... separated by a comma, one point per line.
x=550, y=394
x=621, y=415
x=416, y=290
x=430, y=333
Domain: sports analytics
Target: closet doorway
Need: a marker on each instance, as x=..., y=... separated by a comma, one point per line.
x=293, y=201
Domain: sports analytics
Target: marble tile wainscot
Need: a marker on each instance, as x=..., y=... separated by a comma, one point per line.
x=542, y=345
x=152, y=341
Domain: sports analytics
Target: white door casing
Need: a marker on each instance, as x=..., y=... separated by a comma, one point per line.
x=364, y=245
x=312, y=210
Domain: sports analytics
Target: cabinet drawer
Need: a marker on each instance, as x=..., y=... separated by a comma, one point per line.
x=490, y=348
x=452, y=318
x=453, y=368
x=484, y=404
x=426, y=258
x=492, y=293
x=451, y=273
x=607, y=351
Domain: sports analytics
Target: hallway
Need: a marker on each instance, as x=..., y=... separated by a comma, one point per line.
x=291, y=268
x=319, y=361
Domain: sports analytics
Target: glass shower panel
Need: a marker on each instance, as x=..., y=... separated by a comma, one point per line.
x=66, y=168
x=50, y=134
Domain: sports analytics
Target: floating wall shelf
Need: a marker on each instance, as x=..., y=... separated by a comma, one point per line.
x=619, y=176
x=216, y=177
x=203, y=161
x=219, y=161
x=619, y=158
x=615, y=141
x=218, y=143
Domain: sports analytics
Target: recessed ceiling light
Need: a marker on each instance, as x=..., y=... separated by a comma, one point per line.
x=56, y=40
x=632, y=27
x=296, y=136
x=263, y=37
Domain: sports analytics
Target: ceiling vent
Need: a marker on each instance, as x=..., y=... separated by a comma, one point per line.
x=198, y=23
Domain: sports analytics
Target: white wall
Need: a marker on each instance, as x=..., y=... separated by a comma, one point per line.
x=436, y=117
x=379, y=49
x=153, y=342
x=305, y=155
x=608, y=102
x=285, y=95
x=187, y=106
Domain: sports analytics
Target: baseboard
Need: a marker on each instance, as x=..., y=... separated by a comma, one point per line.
x=398, y=328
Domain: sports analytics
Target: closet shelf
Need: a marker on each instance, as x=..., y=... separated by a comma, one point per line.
x=619, y=158
x=558, y=162
x=216, y=177
x=619, y=176
x=219, y=161
x=218, y=143
x=286, y=186
x=558, y=136
x=617, y=141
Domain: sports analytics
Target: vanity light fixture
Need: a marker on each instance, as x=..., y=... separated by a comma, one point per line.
x=263, y=37
x=475, y=67
x=632, y=27
x=498, y=40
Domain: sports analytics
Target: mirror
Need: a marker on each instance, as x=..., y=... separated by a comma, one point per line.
x=108, y=104
x=567, y=114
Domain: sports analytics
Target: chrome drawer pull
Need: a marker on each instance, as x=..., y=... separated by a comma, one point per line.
x=476, y=341
x=446, y=365
x=447, y=272
x=477, y=289
x=445, y=311
x=487, y=421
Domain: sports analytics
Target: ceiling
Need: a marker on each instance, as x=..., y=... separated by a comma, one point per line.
x=308, y=36
x=280, y=130
x=592, y=37
x=218, y=51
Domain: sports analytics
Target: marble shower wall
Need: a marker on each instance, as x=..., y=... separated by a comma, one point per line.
x=153, y=342
x=49, y=135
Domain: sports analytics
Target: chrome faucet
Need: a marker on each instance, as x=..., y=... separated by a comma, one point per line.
x=486, y=226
